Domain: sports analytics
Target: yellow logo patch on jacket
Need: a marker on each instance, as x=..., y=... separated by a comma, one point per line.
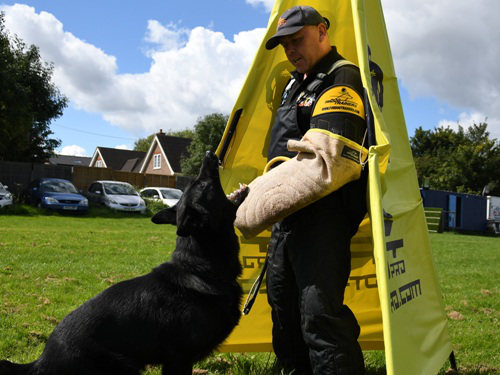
x=340, y=99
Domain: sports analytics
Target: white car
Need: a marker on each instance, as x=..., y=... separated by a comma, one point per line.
x=169, y=196
x=116, y=195
x=5, y=196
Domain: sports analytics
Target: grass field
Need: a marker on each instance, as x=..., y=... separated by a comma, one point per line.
x=51, y=264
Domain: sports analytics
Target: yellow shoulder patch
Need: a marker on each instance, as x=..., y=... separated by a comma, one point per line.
x=340, y=99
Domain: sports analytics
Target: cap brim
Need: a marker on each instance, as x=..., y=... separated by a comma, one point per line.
x=275, y=39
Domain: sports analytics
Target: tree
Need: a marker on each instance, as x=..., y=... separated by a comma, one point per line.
x=143, y=144
x=208, y=132
x=29, y=101
x=461, y=161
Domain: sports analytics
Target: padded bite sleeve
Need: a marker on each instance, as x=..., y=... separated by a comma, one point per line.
x=325, y=162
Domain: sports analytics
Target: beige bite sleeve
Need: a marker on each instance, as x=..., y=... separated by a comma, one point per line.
x=324, y=163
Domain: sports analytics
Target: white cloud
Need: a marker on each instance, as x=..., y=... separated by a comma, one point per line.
x=193, y=72
x=123, y=147
x=448, y=49
x=73, y=150
x=268, y=4
x=168, y=37
x=466, y=119
x=445, y=49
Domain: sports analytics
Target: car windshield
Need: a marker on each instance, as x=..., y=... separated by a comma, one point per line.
x=55, y=186
x=119, y=189
x=171, y=194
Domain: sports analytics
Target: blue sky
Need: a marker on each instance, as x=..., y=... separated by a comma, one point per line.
x=121, y=62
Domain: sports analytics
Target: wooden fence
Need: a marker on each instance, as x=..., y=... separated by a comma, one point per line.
x=17, y=175
x=84, y=176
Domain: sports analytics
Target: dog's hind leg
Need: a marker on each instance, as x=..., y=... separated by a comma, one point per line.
x=177, y=367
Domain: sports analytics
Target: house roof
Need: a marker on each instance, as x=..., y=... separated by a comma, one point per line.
x=70, y=160
x=117, y=159
x=174, y=148
x=132, y=165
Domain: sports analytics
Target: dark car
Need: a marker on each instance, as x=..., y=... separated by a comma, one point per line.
x=56, y=194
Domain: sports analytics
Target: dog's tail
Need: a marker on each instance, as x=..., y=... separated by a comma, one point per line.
x=9, y=368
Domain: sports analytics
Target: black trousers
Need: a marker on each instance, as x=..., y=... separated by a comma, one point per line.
x=309, y=266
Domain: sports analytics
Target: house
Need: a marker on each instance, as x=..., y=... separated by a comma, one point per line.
x=117, y=159
x=70, y=160
x=163, y=157
x=164, y=154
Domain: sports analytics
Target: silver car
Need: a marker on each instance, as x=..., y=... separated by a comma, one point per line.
x=168, y=196
x=5, y=196
x=116, y=195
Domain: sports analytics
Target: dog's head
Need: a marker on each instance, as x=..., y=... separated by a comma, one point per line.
x=204, y=206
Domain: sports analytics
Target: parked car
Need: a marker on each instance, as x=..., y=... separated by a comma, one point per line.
x=55, y=194
x=5, y=196
x=116, y=195
x=169, y=196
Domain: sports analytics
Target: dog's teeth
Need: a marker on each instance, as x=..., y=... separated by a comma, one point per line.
x=235, y=194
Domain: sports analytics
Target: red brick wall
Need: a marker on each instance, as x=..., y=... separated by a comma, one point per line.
x=164, y=170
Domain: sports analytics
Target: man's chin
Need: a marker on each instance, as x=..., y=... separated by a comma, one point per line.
x=300, y=68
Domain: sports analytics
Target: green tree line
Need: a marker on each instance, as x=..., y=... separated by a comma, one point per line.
x=465, y=161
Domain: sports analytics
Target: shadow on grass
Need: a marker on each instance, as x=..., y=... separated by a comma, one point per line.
x=19, y=210
x=255, y=364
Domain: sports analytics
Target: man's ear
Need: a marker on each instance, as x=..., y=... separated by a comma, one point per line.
x=166, y=216
x=323, y=31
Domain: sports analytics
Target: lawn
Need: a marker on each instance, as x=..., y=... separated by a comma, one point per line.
x=51, y=264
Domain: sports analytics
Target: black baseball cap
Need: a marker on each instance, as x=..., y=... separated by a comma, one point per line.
x=293, y=20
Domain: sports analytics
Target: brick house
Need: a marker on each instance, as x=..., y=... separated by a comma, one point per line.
x=164, y=155
x=117, y=159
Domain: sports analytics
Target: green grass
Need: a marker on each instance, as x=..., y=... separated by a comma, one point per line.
x=50, y=264
x=469, y=276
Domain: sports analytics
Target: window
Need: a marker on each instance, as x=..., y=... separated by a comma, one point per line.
x=157, y=161
x=149, y=193
x=95, y=188
x=99, y=164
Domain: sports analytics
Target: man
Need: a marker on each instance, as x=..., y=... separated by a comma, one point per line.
x=309, y=252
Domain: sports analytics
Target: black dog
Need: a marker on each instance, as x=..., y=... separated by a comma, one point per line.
x=175, y=315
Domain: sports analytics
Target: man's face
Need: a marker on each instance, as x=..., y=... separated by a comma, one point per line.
x=303, y=48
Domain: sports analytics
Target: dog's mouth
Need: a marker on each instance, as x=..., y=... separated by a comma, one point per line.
x=238, y=196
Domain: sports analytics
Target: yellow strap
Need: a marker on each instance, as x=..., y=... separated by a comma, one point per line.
x=347, y=141
x=273, y=161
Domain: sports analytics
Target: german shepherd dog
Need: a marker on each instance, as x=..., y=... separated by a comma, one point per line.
x=175, y=315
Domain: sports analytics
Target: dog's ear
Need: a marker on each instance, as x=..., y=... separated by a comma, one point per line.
x=166, y=216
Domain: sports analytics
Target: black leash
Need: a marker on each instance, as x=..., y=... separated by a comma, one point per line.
x=254, y=290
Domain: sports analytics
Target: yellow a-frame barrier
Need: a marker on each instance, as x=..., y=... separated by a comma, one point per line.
x=392, y=289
